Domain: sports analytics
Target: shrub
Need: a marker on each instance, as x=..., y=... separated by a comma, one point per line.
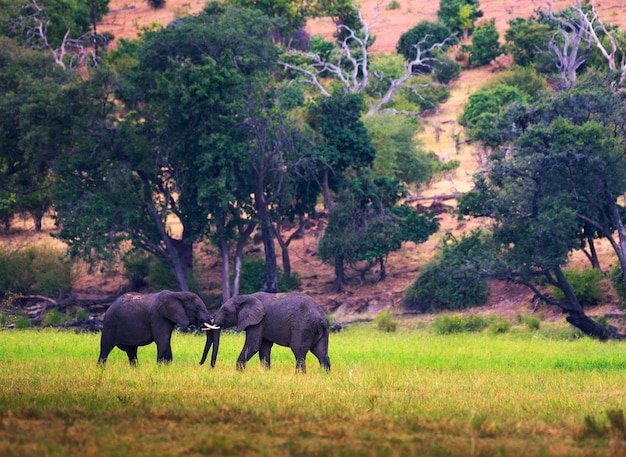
x=585, y=284
x=449, y=323
x=23, y=322
x=531, y=322
x=385, y=322
x=499, y=325
x=82, y=315
x=617, y=279
x=393, y=5
x=54, y=317
x=452, y=281
x=37, y=269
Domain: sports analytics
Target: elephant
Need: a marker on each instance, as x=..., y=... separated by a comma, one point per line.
x=135, y=319
x=291, y=319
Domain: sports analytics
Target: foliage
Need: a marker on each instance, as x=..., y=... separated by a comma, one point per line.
x=526, y=41
x=459, y=15
x=445, y=70
x=55, y=317
x=35, y=270
x=424, y=35
x=525, y=79
x=253, y=275
x=485, y=45
x=365, y=226
x=619, y=285
x=60, y=17
x=175, y=135
x=31, y=128
x=445, y=324
x=453, y=280
x=563, y=174
x=385, y=322
x=398, y=153
x=585, y=284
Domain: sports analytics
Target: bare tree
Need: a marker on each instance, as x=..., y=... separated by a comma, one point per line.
x=571, y=43
x=35, y=26
x=594, y=24
x=350, y=65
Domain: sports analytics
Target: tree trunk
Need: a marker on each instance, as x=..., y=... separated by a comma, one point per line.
x=270, y=284
x=339, y=275
x=326, y=191
x=284, y=252
x=223, y=246
x=593, y=254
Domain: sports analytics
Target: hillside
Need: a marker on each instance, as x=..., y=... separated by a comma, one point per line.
x=439, y=135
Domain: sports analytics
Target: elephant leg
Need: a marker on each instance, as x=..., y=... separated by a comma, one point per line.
x=164, y=348
x=320, y=350
x=300, y=359
x=131, y=352
x=251, y=347
x=107, y=343
x=264, y=353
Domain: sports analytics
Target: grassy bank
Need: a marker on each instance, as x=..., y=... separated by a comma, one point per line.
x=411, y=392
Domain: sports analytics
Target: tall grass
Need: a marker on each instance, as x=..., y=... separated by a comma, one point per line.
x=410, y=392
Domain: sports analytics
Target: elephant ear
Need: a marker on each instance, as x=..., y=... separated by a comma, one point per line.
x=169, y=306
x=251, y=312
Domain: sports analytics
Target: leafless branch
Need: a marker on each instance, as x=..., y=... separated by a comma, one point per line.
x=350, y=65
x=35, y=27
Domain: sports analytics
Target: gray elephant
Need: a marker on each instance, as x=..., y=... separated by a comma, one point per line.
x=135, y=320
x=294, y=320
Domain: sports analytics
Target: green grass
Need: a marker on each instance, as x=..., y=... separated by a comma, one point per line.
x=410, y=392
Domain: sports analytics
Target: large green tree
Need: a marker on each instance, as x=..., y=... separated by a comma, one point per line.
x=32, y=128
x=177, y=143
x=565, y=172
x=367, y=224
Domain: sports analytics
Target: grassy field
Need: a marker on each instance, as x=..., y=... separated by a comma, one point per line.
x=411, y=392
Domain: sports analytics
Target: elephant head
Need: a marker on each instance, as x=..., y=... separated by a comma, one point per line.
x=183, y=308
x=241, y=311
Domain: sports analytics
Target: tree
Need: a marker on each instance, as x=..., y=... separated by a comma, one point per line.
x=563, y=173
x=344, y=139
x=485, y=44
x=366, y=225
x=177, y=123
x=31, y=128
x=398, y=154
x=290, y=16
x=348, y=65
x=425, y=35
x=65, y=28
x=459, y=15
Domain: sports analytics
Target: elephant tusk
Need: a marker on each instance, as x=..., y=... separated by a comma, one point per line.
x=208, y=327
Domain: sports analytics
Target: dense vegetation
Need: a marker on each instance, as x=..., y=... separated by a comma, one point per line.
x=233, y=120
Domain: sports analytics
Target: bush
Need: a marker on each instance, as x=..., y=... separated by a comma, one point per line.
x=253, y=276
x=385, y=322
x=499, y=325
x=617, y=279
x=585, y=284
x=35, y=270
x=54, y=317
x=452, y=281
x=531, y=322
x=23, y=322
x=449, y=323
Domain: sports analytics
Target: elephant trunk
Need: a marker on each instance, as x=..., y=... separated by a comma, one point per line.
x=212, y=339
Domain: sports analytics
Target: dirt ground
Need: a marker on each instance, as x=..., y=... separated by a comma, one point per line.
x=370, y=296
